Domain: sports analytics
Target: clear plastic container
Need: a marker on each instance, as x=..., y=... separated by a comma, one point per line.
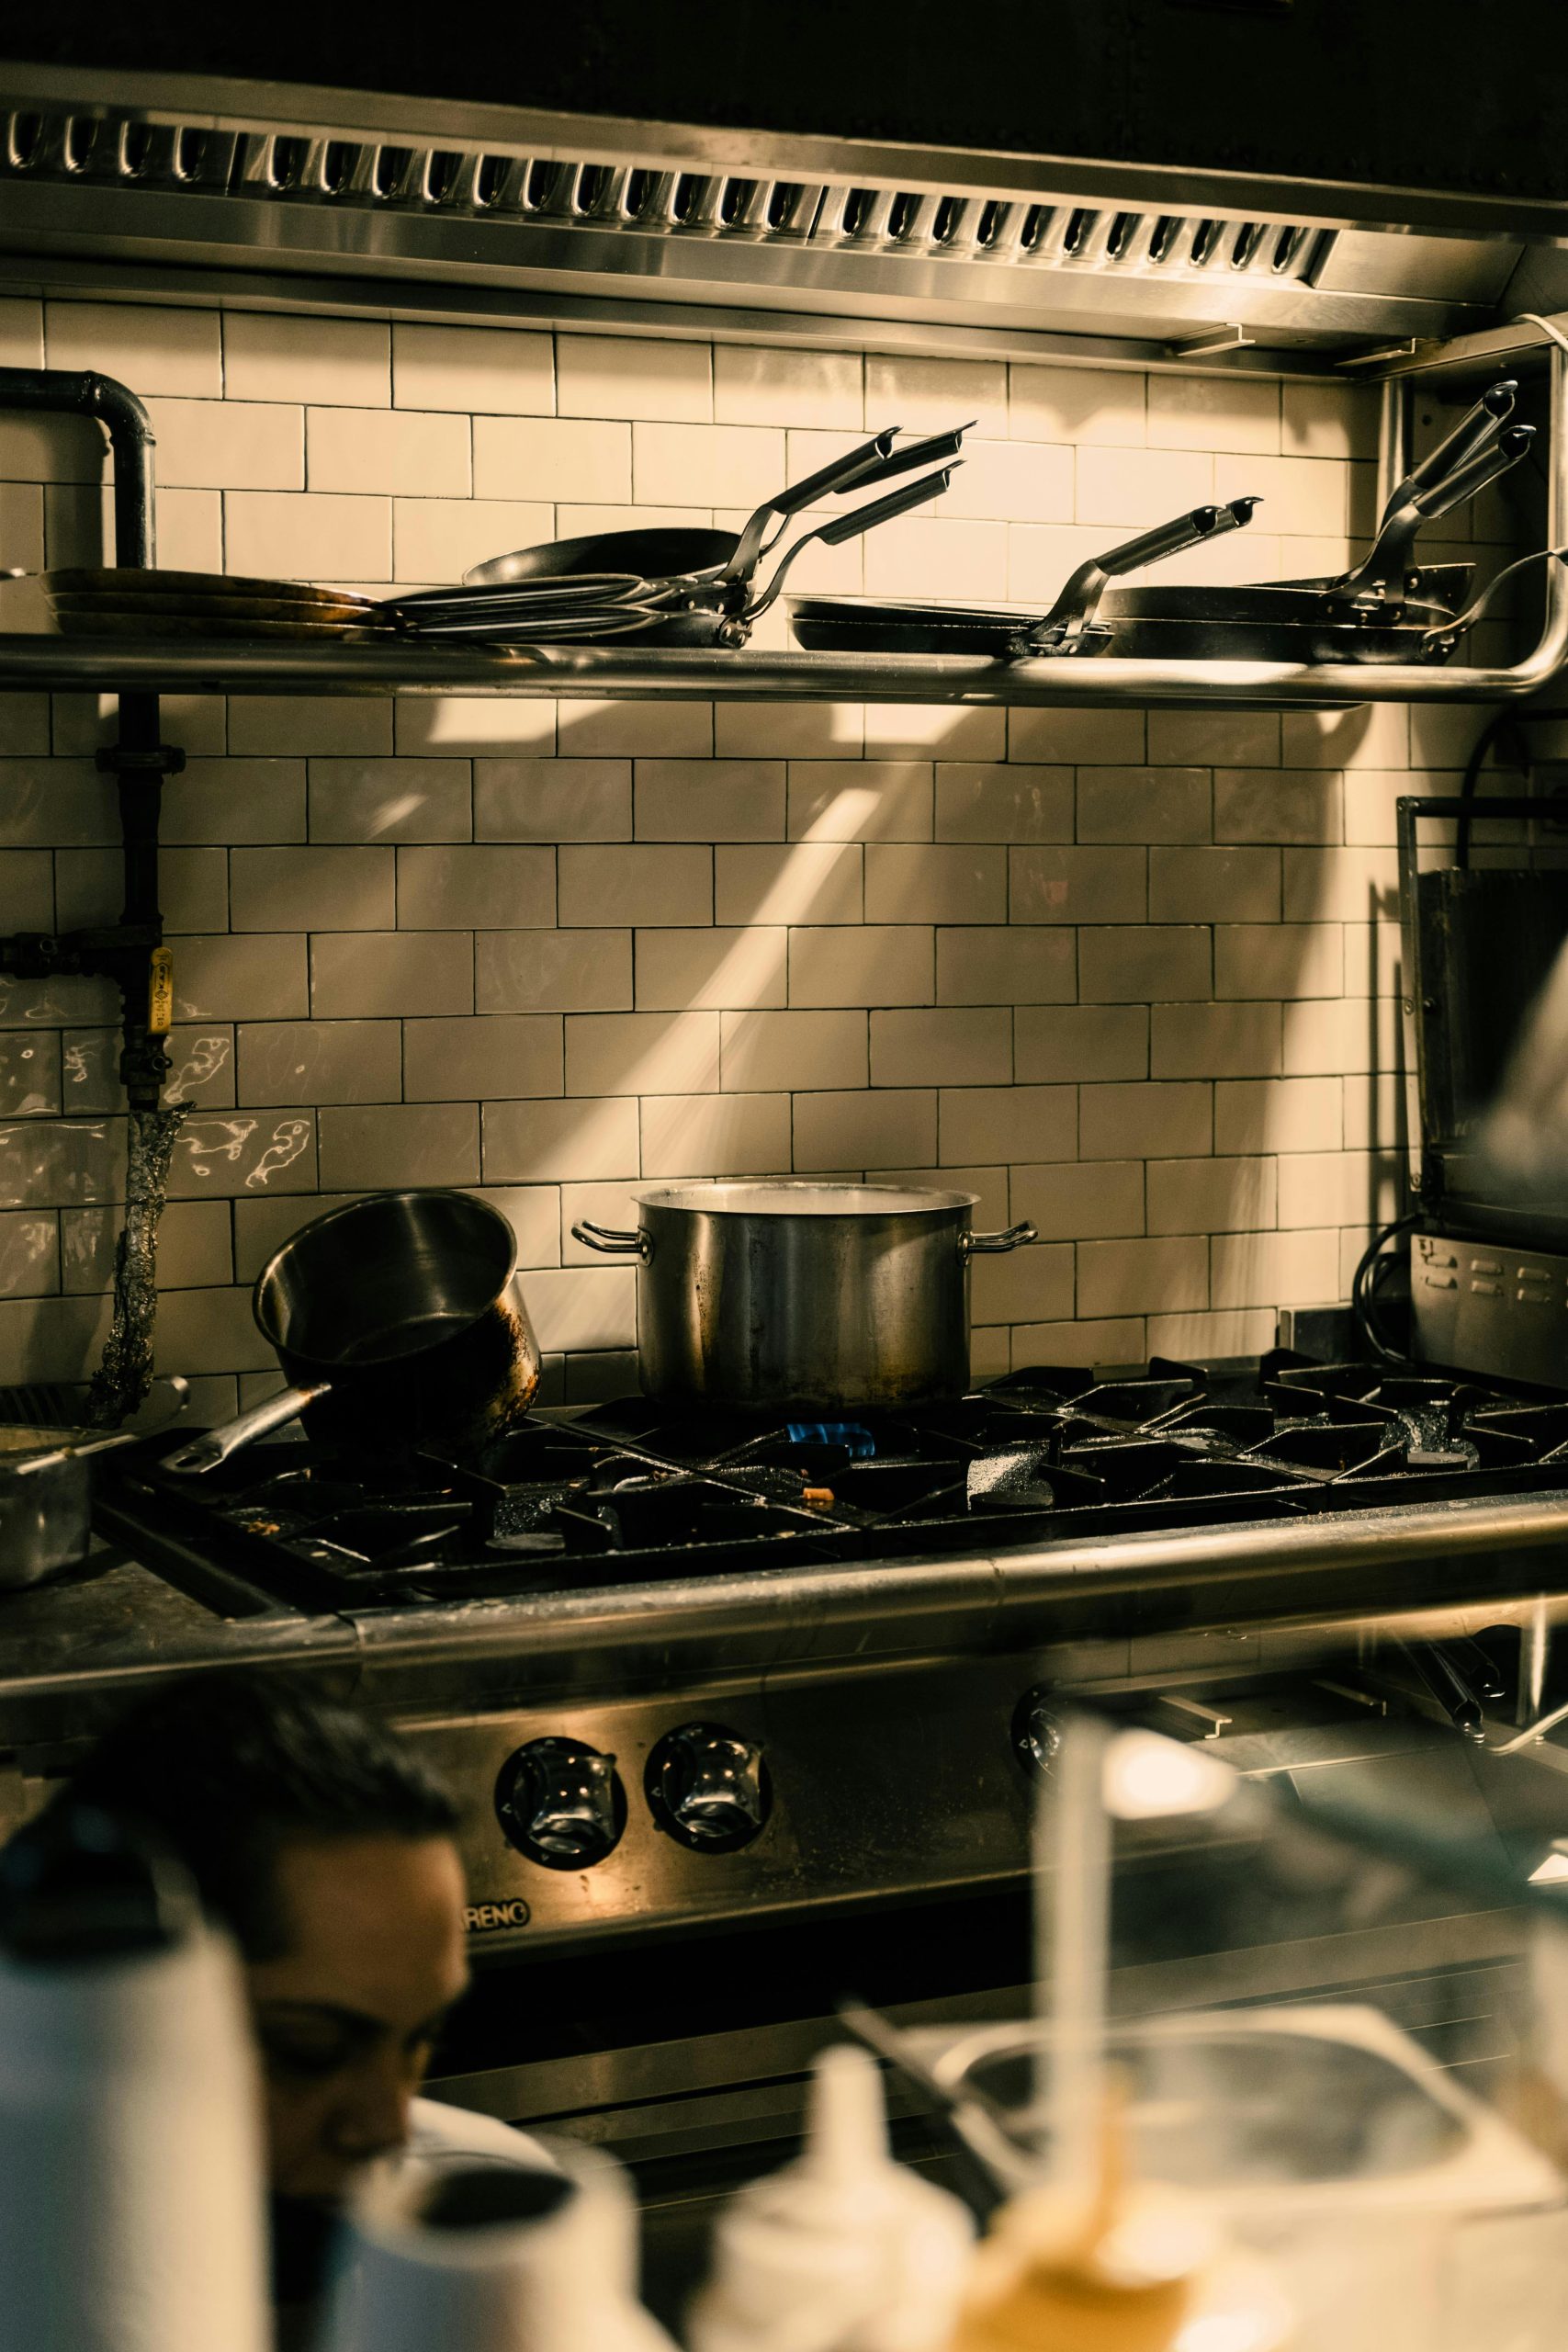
x=1399, y=2214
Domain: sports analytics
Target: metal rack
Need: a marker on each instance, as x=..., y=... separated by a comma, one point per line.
x=620, y=671
x=50, y=664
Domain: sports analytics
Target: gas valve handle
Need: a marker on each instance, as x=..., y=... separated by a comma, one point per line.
x=562, y=1809
x=708, y=1786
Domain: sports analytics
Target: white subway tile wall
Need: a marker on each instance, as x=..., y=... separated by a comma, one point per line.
x=1130, y=976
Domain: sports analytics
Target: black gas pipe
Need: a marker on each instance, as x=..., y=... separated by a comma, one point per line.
x=130, y=953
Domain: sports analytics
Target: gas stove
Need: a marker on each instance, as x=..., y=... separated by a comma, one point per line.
x=635, y=1492
x=745, y=1711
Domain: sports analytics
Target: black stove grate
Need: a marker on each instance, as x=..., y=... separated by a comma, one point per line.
x=636, y=1491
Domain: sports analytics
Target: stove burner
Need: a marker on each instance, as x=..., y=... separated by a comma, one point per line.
x=636, y=1491
x=857, y=1441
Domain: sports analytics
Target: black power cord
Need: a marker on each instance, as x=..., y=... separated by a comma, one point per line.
x=1370, y=1270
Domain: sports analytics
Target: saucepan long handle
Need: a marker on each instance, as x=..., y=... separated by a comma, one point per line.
x=205, y=1453
x=77, y=1450
x=935, y=450
x=612, y=1243
x=985, y=1243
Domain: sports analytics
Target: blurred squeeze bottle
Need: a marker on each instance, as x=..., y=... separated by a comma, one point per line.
x=843, y=2251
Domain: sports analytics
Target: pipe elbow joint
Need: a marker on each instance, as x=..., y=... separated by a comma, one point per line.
x=119, y=408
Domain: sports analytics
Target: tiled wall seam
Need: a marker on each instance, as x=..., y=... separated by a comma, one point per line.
x=1132, y=975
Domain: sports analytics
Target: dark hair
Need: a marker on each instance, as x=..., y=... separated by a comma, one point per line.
x=226, y=1768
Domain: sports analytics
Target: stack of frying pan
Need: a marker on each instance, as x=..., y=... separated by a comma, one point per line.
x=123, y=602
x=674, y=587
x=1386, y=609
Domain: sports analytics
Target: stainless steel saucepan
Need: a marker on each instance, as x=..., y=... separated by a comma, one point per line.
x=779, y=1292
x=46, y=1474
x=397, y=1320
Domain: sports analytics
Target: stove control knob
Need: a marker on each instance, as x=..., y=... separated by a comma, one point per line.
x=708, y=1788
x=1037, y=1732
x=561, y=1803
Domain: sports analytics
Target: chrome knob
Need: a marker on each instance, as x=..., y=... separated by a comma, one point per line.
x=1037, y=1732
x=561, y=1803
x=708, y=1788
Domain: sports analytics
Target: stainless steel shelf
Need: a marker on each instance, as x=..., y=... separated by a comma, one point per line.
x=67, y=665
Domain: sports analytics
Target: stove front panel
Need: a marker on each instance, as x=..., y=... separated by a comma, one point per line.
x=880, y=1785
x=876, y=1785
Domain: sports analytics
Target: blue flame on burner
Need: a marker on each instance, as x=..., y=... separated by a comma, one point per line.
x=853, y=1436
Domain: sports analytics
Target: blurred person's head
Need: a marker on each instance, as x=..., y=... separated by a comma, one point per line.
x=328, y=1852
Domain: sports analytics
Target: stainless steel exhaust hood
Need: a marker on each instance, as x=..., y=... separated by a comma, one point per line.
x=280, y=194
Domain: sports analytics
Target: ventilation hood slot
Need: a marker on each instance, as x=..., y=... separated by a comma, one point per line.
x=246, y=189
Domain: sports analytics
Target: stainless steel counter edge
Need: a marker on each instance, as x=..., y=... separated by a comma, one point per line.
x=1192, y=1578
x=84, y=1646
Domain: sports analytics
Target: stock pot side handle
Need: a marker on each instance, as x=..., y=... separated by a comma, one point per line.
x=1014, y=1239
x=613, y=1244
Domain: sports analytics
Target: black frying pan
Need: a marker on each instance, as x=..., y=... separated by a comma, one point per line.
x=876, y=625
x=1385, y=610
x=680, y=586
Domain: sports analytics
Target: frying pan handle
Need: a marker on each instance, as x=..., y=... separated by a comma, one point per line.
x=1474, y=430
x=842, y=474
x=986, y=1243
x=1383, y=569
x=1443, y=637
x=610, y=1243
x=1484, y=465
x=833, y=534
x=1171, y=538
x=1073, y=610
x=205, y=1453
x=881, y=510
x=875, y=461
x=936, y=450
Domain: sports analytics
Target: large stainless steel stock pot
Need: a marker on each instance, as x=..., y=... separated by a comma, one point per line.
x=776, y=1293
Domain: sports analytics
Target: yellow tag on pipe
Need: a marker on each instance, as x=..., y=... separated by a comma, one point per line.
x=161, y=991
